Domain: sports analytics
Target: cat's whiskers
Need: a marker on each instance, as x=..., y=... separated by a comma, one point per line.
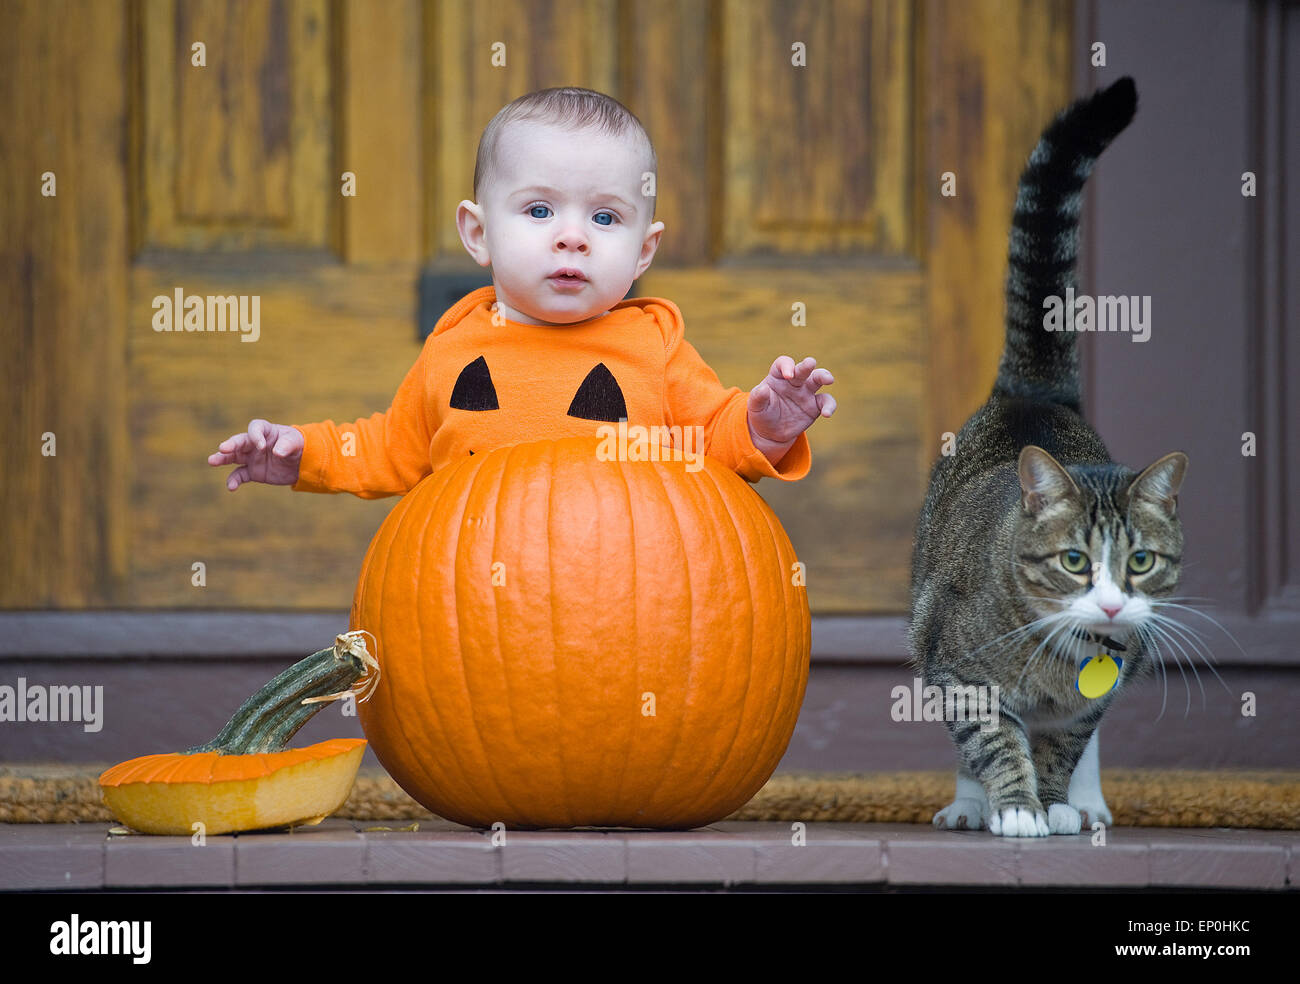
x=1065, y=648
x=1078, y=643
x=1158, y=661
x=1169, y=602
x=1189, y=634
x=1191, y=665
x=1192, y=638
x=1049, y=600
x=1027, y=627
x=1178, y=663
x=1063, y=621
x=1151, y=630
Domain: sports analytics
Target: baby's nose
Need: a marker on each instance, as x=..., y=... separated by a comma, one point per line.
x=571, y=239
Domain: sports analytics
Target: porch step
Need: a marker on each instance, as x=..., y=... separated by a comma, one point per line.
x=349, y=854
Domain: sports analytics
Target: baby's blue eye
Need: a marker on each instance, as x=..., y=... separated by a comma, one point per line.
x=605, y=215
x=533, y=211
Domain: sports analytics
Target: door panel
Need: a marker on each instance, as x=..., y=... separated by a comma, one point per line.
x=236, y=154
x=64, y=520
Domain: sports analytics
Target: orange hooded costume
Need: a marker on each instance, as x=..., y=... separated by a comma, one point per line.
x=478, y=386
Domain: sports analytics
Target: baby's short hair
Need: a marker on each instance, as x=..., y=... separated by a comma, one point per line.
x=570, y=107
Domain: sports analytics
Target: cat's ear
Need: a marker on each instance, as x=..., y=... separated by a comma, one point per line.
x=1043, y=480
x=1160, y=481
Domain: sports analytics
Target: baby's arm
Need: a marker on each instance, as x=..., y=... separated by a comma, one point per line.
x=695, y=397
x=381, y=455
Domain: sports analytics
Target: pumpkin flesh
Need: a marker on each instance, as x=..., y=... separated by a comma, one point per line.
x=301, y=786
x=244, y=778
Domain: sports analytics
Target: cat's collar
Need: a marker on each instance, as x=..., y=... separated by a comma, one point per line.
x=1100, y=640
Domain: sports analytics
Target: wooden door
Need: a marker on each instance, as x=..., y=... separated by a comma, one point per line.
x=801, y=153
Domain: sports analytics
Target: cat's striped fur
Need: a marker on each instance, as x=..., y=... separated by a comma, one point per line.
x=993, y=602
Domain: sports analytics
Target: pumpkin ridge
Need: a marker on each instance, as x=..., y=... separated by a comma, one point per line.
x=774, y=720
x=430, y=716
x=629, y=736
x=684, y=658
x=503, y=670
x=376, y=556
x=604, y=489
x=711, y=500
x=757, y=625
x=455, y=655
x=474, y=699
x=798, y=622
x=641, y=480
x=565, y=799
x=797, y=637
x=693, y=659
x=456, y=490
x=736, y=525
x=400, y=667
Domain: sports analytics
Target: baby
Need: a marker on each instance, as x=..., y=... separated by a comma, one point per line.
x=564, y=217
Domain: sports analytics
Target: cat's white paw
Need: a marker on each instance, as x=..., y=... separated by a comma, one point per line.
x=1018, y=821
x=1090, y=811
x=961, y=814
x=1063, y=819
x=1085, y=786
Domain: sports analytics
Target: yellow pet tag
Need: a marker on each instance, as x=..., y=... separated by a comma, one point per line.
x=1099, y=674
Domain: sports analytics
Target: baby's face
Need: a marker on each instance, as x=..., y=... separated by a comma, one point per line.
x=559, y=200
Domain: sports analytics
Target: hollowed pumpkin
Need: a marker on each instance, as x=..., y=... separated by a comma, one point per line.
x=569, y=641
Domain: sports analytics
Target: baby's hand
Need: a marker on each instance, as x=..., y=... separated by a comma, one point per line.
x=786, y=403
x=268, y=453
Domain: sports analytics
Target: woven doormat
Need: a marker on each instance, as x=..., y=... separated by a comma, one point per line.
x=1137, y=797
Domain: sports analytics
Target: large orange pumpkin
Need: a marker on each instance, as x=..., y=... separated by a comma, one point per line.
x=570, y=641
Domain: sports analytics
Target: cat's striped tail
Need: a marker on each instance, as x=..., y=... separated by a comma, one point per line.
x=1036, y=363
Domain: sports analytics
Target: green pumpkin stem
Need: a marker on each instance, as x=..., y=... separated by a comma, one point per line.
x=267, y=720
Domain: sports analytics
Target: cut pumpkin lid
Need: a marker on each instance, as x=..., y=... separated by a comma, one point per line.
x=214, y=767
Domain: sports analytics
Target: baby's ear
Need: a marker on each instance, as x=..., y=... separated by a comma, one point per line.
x=651, y=239
x=649, y=246
x=471, y=226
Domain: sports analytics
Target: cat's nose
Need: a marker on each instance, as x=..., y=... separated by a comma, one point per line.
x=1111, y=611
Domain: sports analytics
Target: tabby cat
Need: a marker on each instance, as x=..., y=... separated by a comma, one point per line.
x=1036, y=556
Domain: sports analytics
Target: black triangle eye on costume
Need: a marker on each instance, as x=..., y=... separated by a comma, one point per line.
x=598, y=398
x=474, y=389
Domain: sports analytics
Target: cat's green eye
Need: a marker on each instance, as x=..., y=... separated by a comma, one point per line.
x=1074, y=561
x=1141, y=561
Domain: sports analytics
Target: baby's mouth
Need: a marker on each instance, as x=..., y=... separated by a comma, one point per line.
x=567, y=279
x=567, y=273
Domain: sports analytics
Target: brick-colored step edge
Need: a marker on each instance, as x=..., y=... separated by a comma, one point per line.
x=1137, y=797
